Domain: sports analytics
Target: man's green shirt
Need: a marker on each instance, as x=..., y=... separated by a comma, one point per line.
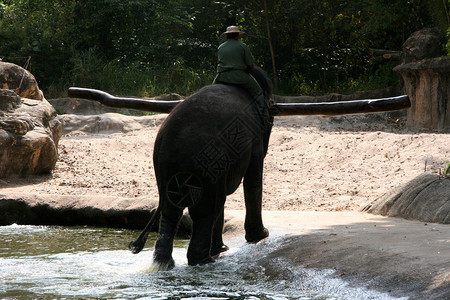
x=234, y=55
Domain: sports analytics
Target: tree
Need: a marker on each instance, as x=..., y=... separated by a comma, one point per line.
x=322, y=44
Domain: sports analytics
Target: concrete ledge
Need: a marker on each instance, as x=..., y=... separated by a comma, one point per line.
x=90, y=210
x=426, y=198
x=392, y=255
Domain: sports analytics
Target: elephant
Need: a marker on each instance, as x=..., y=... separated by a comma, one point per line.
x=207, y=145
x=203, y=150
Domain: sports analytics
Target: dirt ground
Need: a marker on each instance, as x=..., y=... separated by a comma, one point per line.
x=313, y=163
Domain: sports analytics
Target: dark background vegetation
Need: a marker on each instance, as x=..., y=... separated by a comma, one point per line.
x=150, y=47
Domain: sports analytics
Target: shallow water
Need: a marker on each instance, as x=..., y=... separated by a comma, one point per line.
x=83, y=262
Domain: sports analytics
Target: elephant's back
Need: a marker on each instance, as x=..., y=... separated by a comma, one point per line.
x=211, y=129
x=206, y=114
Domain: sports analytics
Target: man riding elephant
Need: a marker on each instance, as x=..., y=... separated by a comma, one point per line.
x=234, y=62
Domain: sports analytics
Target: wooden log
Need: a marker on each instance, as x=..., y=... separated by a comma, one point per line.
x=278, y=109
x=104, y=98
x=341, y=107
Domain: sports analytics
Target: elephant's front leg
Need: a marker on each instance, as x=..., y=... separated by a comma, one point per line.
x=254, y=228
x=162, y=257
x=217, y=245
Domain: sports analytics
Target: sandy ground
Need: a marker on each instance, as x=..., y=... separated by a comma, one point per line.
x=319, y=174
x=313, y=163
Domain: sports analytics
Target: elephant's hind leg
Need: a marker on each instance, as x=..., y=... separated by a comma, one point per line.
x=199, y=251
x=204, y=217
x=162, y=257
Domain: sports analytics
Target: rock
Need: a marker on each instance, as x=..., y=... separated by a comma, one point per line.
x=427, y=83
x=9, y=101
x=22, y=82
x=426, y=80
x=107, y=123
x=422, y=44
x=426, y=198
x=29, y=132
x=81, y=210
x=169, y=97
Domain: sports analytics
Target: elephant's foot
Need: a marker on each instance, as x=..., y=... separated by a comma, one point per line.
x=199, y=255
x=256, y=236
x=158, y=265
x=203, y=261
x=216, y=251
x=162, y=261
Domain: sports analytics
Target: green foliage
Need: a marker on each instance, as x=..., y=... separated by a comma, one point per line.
x=446, y=170
x=148, y=47
x=438, y=11
x=94, y=71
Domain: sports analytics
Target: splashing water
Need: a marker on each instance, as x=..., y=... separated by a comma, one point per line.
x=79, y=262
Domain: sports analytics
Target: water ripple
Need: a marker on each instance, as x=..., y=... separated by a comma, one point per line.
x=63, y=262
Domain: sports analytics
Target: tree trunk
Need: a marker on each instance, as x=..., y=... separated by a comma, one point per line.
x=278, y=109
x=427, y=83
x=269, y=38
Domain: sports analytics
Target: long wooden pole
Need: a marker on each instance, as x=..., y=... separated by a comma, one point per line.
x=104, y=98
x=341, y=107
x=278, y=109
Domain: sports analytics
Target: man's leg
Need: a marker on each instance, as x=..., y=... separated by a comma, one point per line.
x=249, y=83
x=256, y=92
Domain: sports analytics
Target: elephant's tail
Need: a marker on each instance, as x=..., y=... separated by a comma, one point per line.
x=137, y=245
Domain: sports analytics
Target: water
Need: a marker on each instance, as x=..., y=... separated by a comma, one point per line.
x=77, y=262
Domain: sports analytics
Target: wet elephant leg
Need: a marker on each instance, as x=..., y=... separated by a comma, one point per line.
x=254, y=228
x=217, y=245
x=162, y=257
x=204, y=217
x=199, y=251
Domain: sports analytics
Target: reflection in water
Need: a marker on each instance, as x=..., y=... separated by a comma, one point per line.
x=78, y=262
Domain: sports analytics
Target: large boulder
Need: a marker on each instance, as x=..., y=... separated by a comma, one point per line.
x=22, y=82
x=107, y=123
x=427, y=83
x=425, y=198
x=423, y=44
x=29, y=132
x=426, y=80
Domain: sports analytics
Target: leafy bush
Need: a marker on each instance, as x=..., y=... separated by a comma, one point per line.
x=92, y=70
x=152, y=46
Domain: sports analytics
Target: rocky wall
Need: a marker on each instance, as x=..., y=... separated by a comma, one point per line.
x=427, y=84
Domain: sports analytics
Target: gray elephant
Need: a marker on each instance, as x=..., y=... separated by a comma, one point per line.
x=203, y=150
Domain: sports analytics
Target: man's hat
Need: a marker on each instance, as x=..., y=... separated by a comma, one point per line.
x=233, y=29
